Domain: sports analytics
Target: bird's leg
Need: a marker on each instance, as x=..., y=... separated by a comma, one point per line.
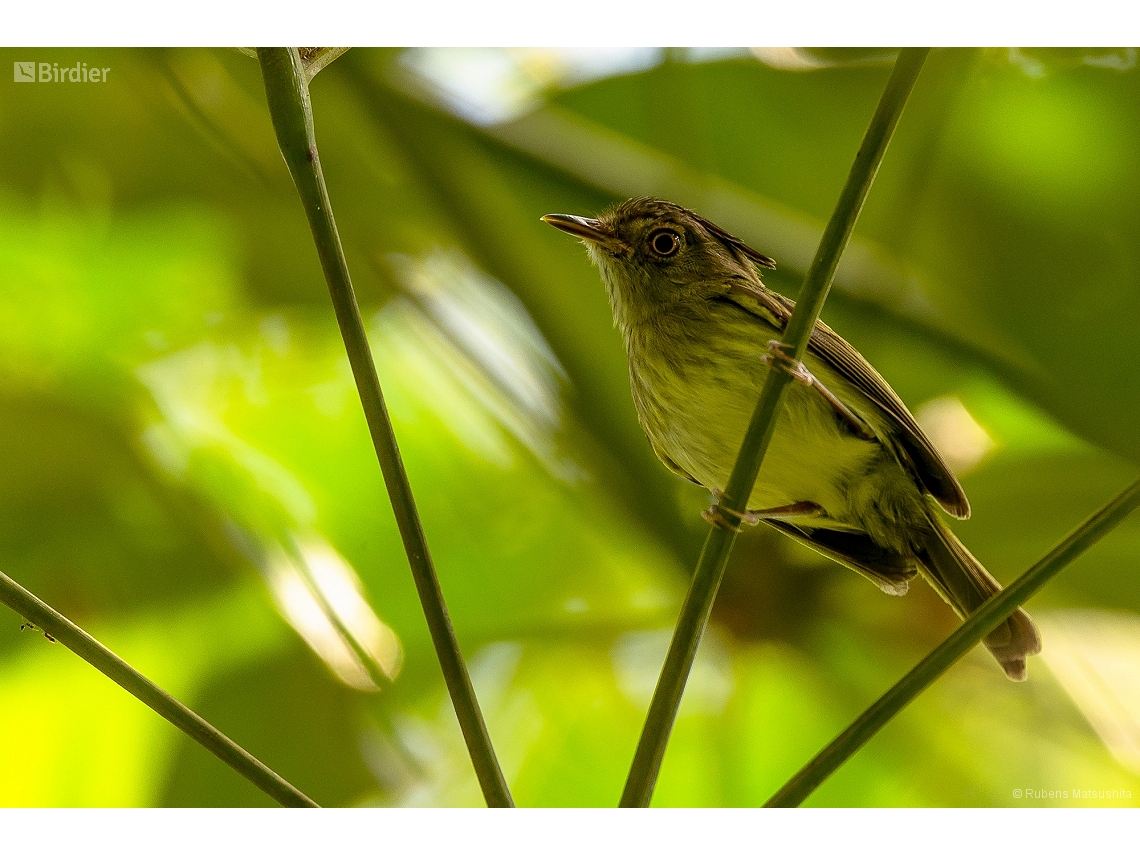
x=777, y=357
x=714, y=515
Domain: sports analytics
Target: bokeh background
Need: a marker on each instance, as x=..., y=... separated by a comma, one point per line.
x=185, y=470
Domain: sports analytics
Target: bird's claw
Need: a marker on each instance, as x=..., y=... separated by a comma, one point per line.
x=714, y=514
x=778, y=357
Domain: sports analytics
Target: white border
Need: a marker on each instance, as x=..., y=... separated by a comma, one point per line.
x=569, y=23
x=567, y=832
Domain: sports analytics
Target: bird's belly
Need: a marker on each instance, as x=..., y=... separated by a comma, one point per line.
x=813, y=457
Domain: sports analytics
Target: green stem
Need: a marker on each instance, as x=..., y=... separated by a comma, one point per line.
x=718, y=545
x=287, y=93
x=979, y=625
x=23, y=602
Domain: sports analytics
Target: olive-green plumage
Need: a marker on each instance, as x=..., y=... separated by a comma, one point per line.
x=848, y=472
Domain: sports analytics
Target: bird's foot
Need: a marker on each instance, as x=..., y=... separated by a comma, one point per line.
x=777, y=357
x=714, y=515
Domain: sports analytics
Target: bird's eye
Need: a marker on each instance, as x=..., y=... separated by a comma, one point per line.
x=665, y=242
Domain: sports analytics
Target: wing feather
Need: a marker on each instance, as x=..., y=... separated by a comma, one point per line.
x=890, y=571
x=921, y=455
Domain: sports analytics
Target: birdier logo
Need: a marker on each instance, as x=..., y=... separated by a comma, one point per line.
x=51, y=72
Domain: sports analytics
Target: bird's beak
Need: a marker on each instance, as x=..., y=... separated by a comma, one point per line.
x=587, y=229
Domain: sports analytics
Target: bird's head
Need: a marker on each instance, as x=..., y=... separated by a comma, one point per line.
x=654, y=255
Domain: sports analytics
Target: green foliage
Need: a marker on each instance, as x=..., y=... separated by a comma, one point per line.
x=179, y=427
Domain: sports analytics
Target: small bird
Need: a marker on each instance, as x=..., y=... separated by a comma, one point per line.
x=848, y=472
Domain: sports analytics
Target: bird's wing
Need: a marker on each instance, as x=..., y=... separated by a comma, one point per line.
x=890, y=571
x=923, y=457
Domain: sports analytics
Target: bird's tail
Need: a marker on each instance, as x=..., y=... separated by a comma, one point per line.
x=964, y=583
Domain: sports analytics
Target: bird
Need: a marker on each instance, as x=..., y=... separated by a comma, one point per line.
x=848, y=472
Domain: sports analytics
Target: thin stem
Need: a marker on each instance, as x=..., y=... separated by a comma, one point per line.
x=287, y=93
x=977, y=627
x=23, y=602
x=718, y=545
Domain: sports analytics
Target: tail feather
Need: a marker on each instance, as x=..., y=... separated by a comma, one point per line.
x=963, y=582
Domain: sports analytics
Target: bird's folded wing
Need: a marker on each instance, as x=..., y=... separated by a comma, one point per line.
x=889, y=570
x=825, y=343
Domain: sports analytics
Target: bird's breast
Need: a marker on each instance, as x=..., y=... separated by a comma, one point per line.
x=695, y=386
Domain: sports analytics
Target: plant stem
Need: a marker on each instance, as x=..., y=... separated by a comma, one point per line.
x=23, y=602
x=973, y=630
x=287, y=93
x=718, y=545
